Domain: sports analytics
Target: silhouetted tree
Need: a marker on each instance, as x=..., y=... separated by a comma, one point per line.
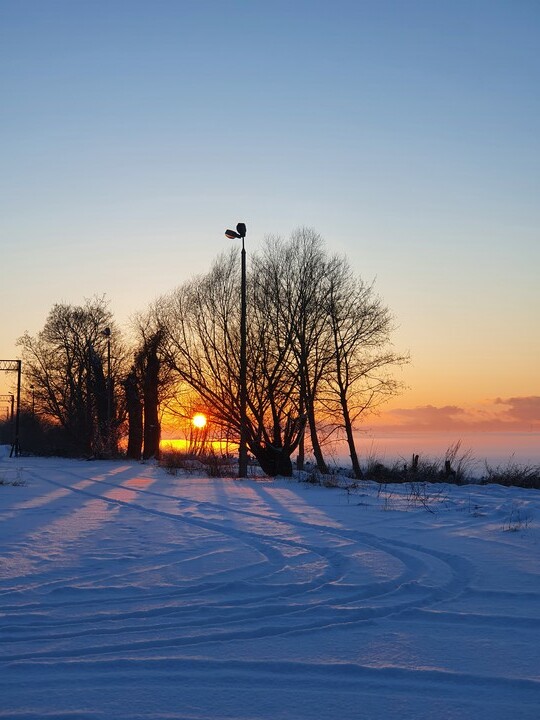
x=358, y=377
x=303, y=267
x=97, y=389
x=134, y=409
x=148, y=386
x=201, y=332
x=64, y=362
x=149, y=363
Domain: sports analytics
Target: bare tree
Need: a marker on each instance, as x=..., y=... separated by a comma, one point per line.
x=306, y=269
x=149, y=385
x=134, y=407
x=65, y=364
x=149, y=362
x=201, y=340
x=359, y=377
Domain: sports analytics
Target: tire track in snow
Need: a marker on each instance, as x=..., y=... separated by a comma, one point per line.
x=493, y=696
x=266, y=610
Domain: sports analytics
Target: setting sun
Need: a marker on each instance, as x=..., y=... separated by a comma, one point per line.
x=199, y=420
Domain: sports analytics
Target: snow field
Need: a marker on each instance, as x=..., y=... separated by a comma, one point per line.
x=128, y=593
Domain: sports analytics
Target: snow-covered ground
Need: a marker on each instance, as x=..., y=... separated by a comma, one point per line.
x=128, y=593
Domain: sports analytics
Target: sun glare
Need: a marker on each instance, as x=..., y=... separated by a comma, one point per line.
x=199, y=420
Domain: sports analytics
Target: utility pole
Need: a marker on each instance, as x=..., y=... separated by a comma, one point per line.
x=15, y=366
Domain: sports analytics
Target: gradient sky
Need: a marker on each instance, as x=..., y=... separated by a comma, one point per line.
x=406, y=132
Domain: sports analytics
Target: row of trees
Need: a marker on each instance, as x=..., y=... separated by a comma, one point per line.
x=83, y=388
x=64, y=366
x=319, y=357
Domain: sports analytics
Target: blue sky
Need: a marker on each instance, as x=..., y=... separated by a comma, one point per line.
x=406, y=133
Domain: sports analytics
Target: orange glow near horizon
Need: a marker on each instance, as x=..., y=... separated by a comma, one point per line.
x=221, y=447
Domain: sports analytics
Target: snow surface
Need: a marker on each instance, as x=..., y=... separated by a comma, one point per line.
x=129, y=593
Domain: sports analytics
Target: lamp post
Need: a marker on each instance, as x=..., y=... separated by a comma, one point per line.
x=33, y=389
x=240, y=233
x=107, y=333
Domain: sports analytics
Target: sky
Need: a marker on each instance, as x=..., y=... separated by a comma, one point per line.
x=405, y=132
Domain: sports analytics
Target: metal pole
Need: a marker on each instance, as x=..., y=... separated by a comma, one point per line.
x=16, y=448
x=109, y=394
x=107, y=333
x=242, y=454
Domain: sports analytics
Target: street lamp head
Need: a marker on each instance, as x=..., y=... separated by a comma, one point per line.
x=107, y=332
x=240, y=232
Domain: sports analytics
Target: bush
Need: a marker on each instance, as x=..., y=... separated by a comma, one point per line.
x=175, y=461
x=218, y=465
x=454, y=467
x=513, y=474
x=377, y=471
x=41, y=437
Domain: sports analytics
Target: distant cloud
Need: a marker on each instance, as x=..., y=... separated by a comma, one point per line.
x=526, y=409
x=516, y=413
x=431, y=417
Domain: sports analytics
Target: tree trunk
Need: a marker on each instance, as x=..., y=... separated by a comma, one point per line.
x=273, y=461
x=357, y=471
x=87, y=424
x=99, y=393
x=300, y=460
x=135, y=417
x=315, y=444
x=152, y=428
